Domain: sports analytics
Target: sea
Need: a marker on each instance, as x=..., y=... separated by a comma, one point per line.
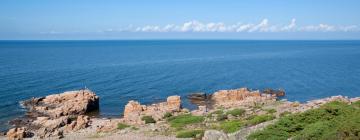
x=150, y=70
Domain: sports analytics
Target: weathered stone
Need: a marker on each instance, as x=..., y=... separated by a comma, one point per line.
x=240, y=97
x=67, y=103
x=49, y=116
x=16, y=133
x=173, y=103
x=214, y=135
x=134, y=110
x=82, y=122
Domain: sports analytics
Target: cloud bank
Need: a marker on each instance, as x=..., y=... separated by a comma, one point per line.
x=262, y=26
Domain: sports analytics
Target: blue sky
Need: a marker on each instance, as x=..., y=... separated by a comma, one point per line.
x=180, y=19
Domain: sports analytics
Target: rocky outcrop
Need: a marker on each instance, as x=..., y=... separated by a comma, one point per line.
x=240, y=97
x=67, y=103
x=296, y=107
x=53, y=115
x=134, y=110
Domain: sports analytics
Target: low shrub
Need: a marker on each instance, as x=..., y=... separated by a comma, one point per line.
x=236, y=112
x=190, y=134
x=148, y=119
x=183, y=120
x=334, y=120
x=285, y=113
x=122, y=126
x=271, y=111
x=259, y=119
x=167, y=115
x=231, y=126
x=221, y=117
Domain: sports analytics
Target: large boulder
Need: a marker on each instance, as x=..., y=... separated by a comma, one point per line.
x=240, y=97
x=52, y=115
x=67, y=103
x=134, y=110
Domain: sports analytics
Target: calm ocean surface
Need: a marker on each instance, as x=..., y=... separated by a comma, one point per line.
x=149, y=71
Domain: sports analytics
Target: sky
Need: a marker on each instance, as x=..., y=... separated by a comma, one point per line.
x=179, y=19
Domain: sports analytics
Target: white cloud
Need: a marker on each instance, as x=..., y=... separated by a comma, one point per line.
x=263, y=26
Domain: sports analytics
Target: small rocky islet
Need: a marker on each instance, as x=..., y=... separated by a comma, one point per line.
x=225, y=114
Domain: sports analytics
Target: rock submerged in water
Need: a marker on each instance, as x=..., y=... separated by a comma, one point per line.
x=50, y=116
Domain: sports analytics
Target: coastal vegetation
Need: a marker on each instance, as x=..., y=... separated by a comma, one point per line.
x=334, y=120
x=148, y=119
x=122, y=126
x=256, y=119
x=231, y=126
x=190, y=134
x=236, y=112
x=183, y=120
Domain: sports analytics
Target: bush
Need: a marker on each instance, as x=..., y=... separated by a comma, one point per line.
x=259, y=119
x=183, y=120
x=285, y=113
x=190, y=134
x=334, y=120
x=236, y=112
x=167, y=115
x=221, y=117
x=122, y=126
x=231, y=126
x=148, y=119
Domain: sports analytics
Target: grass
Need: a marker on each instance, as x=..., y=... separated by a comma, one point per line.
x=259, y=119
x=217, y=112
x=183, y=120
x=122, y=126
x=148, y=119
x=190, y=134
x=231, y=126
x=271, y=111
x=285, y=113
x=236, y=112
x=332, y=121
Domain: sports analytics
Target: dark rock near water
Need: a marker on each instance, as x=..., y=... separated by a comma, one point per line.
x=278, y=92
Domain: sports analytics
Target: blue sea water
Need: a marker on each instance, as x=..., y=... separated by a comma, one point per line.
x=149, y=71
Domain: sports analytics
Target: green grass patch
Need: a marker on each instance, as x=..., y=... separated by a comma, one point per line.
x=271, y=111
x=259, y=119
x=148, y=119
x=236, y=112
x=122, y=126
x=190, y=133
x=183, y=120
x=231, y=126
x=285, y=113
x=334, y=120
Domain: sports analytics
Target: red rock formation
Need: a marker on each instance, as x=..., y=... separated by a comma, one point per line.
x=242, y=96
x=134, y=110
x=53, y=112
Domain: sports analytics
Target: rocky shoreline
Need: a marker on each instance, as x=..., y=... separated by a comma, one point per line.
x=65, y=116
